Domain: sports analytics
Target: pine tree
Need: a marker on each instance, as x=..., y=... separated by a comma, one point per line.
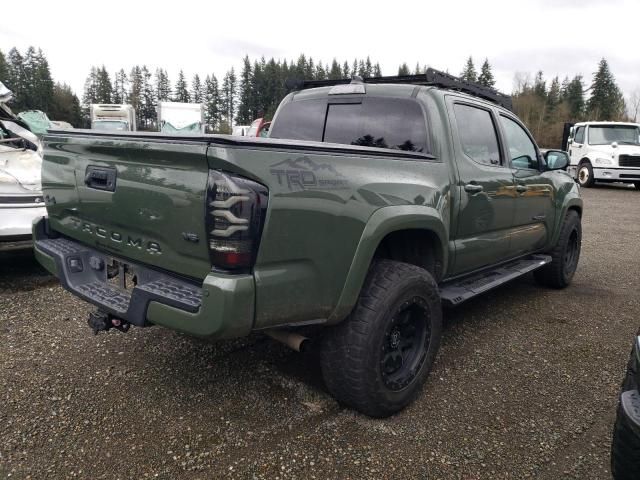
x=104, y=89
x=245, y=104
x=16, y=81
x=211, y=103
x=228, y=98
x=540, y=85
x=310, y=69
x=404, y=69
x=197, y=89
x=301, y=66
x=4, y=68
x=148, y=113
x=181, y=93
x=575, y=99
x=553, y=97
x=135, y=91
x=606, y=101
x=368, y=68
x=335, y=72
x=162, y=85
x=469, y=73
x=89, y=95
x=346, y=72
x=377, y=71
x=321, y=73
x=120, y=87
x=65, y=105
x=486, y=75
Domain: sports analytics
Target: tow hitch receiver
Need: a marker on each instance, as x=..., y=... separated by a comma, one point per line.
x=100, y=321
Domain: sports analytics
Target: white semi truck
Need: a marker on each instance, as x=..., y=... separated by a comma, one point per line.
x=113, y=117
x=176, y=117
x=604, y=152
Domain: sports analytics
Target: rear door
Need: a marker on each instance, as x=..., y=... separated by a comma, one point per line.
x=486, y=184
x=534, y=189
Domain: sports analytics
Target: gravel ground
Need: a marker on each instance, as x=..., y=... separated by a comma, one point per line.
x=524, y=387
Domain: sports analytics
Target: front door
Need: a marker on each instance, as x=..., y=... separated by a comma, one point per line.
x=578, y=144
x=534, y=190
x=486, y=188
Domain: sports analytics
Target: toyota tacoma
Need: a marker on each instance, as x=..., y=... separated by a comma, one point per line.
x=371, y=204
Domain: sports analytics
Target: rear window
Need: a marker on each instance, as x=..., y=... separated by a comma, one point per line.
x=391, y=123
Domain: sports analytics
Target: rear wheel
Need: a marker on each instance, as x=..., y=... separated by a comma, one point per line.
x=585, y=175
x=377, y=360
x=564, y=256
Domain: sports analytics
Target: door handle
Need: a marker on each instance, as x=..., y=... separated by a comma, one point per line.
x=473, y=188
x=521, y=188
x=101, y=178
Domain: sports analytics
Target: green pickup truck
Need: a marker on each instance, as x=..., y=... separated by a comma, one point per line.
x=371, y=204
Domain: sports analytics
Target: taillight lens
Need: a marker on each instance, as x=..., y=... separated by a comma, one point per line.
x=236, y=207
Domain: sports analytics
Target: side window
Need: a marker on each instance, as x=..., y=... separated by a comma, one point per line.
x=300, y=120
x=477, y=134
x=579, y=138
x=521, y=149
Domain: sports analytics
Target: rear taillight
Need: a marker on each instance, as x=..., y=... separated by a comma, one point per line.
x=236, y=207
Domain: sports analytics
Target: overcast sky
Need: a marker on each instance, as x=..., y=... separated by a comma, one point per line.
x=560, y=37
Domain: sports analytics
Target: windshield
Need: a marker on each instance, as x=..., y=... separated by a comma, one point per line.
x=606, y=135
x=110, y=125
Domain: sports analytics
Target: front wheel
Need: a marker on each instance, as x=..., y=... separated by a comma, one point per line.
x=637, y=185
x=585, y=175
x=625, y=444
x=564, y=256
x=377, y=360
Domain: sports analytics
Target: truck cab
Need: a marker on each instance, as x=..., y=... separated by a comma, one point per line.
x=605, y=152
x=113, y=117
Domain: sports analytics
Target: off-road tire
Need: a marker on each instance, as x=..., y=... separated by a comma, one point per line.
x=587, y=179
x=625, y=445
x=559, y=273
x=353, y=355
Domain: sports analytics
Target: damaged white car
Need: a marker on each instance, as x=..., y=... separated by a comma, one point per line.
x=20, y=186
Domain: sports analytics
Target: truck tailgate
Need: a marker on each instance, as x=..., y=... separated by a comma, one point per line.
x=142, y=199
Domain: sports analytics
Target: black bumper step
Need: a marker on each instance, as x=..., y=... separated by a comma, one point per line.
x=82, y=270
x=458, y=291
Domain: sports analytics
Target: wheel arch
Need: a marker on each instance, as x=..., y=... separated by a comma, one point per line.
x=396, y=233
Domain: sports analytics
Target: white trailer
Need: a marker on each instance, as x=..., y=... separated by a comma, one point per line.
x=177, y=118
x=113, y=117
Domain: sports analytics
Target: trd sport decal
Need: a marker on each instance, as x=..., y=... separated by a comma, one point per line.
x=305, y=174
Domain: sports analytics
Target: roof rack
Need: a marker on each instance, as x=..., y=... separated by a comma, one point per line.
x=432, y=78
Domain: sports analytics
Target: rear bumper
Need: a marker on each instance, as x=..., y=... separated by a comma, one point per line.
x=617, y=174
x=16, y=224
x=221, y=307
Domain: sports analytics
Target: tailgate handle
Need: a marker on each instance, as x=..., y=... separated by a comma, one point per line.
x=101, y=178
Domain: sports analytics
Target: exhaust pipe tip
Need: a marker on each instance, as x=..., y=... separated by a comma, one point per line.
x=293, y=340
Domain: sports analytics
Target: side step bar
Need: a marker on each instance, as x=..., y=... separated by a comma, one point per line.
x=457, y=291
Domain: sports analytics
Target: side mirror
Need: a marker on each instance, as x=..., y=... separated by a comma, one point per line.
x=556, y=159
